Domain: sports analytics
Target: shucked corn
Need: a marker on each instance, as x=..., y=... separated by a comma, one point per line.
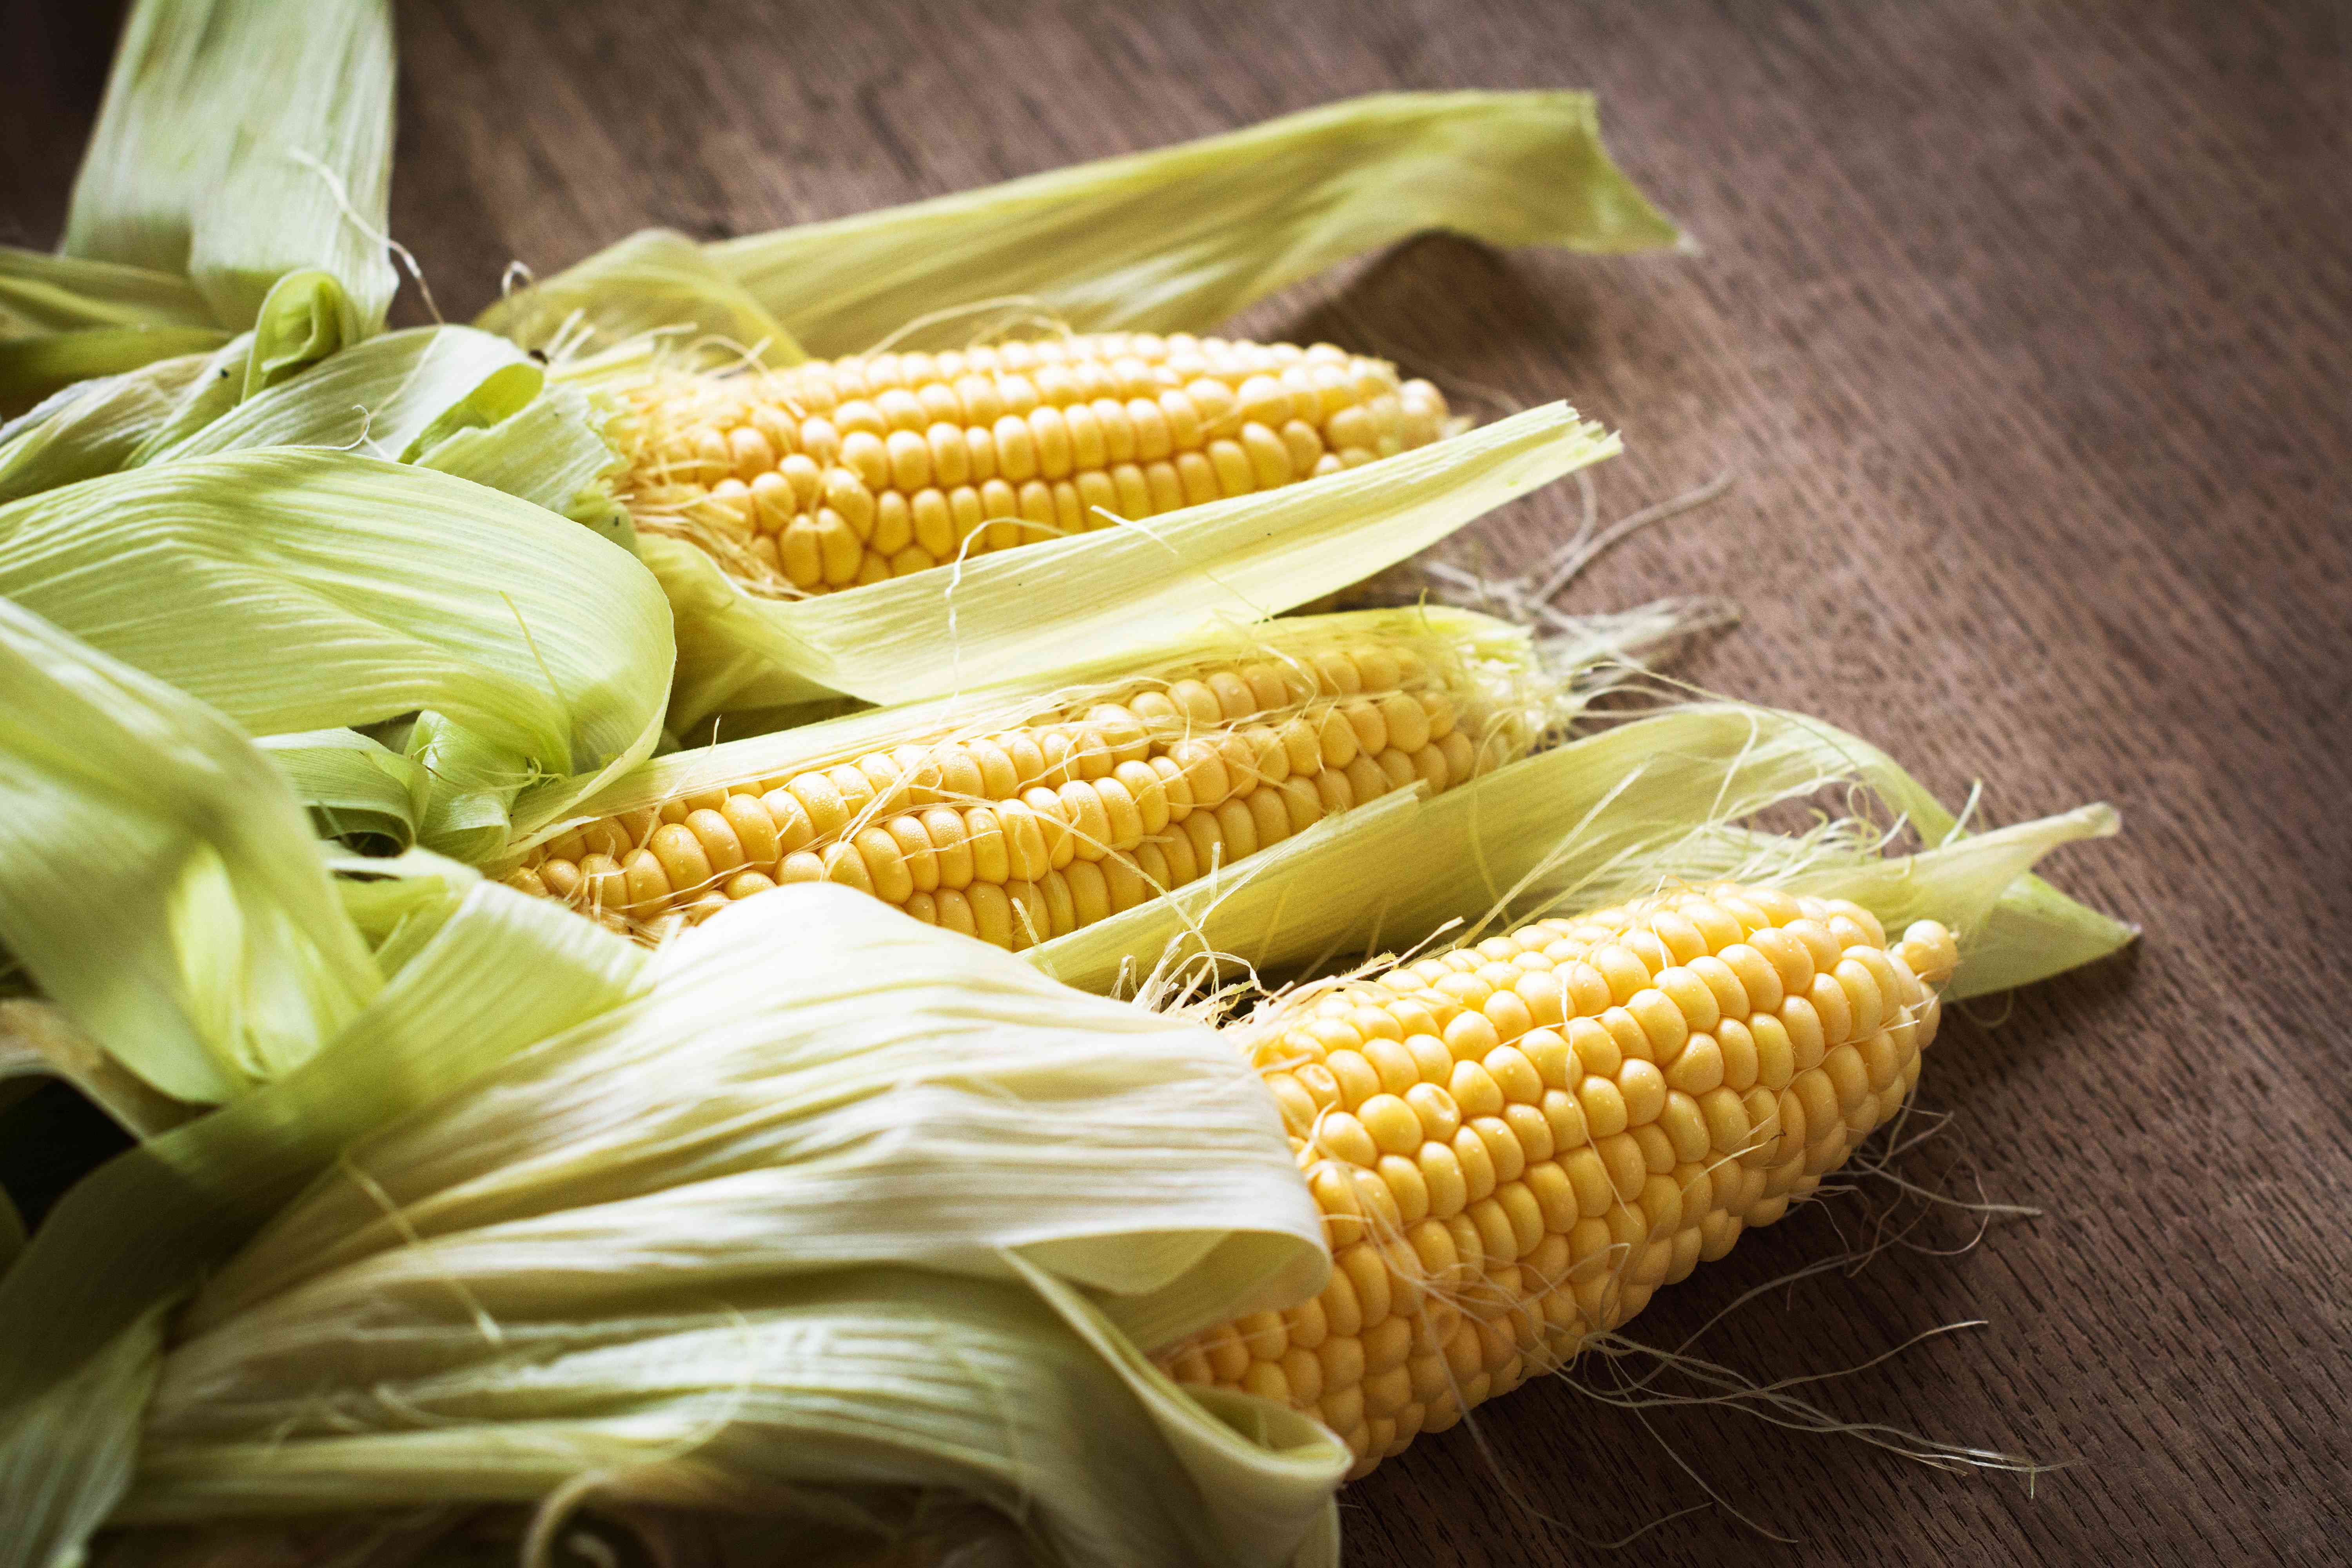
x=1029, y=832
x=834, y=474
x=1515, y=1143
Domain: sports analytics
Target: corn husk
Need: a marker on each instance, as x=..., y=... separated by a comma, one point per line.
x=1171, y=240
x=69, y=293
x=100, y=424
x=240, y=142
x=656, y=288
x=70, y=1451
x=156, y=876
x=884, y=1149
x=1612, y=816
x=552, y=452
x=235, y=189
x=305, y=318
x=395, y=396
x=305, y=590
x=441, y=785
x=39, y=1041
x=819, y=1065
x=123, y=1245
x=37, y=366
x=450, y=399
x=1068, y=601
x=356, y=787
x=67, y=320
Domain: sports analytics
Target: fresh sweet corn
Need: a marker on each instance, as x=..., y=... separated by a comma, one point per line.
x=838, y=473
x=1028, y=833
x=1515, y=1143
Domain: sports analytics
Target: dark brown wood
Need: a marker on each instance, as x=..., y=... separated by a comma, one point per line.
x=2023, y=329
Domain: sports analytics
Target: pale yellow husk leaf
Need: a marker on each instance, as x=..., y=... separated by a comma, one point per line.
x=298, y=590
x=1176, y=240
x=1141, y=584
x=1612, y=816
x=240, y=141
x=156, y=875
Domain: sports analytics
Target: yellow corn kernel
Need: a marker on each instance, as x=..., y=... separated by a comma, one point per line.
x=1527, y=1227
x=795, y=490
x=1026, y=834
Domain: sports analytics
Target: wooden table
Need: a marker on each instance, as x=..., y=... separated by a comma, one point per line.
x=2023, y=329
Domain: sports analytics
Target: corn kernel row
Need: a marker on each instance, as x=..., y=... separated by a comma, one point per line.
x=1029, y=832
x=1515, y=1143
x=834, y=474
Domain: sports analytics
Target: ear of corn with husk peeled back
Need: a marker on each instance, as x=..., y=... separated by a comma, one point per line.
x=1513, y=1144
x=836, y=474
x=596, y=1103
x=1021, y=814
x=928, y=438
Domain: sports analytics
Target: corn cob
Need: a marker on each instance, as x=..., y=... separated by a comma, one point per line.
x=1515, y=1143
x=836, y=474
x=1027, y=833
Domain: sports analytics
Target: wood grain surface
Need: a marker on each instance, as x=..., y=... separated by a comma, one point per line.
x=2023, y=330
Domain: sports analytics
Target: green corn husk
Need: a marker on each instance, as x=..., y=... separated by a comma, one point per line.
x=102, y=424
x=65, y=319
x=70, y=1450
x=357, y=788
x=126, y=800
x=1155, y=581
x=305, y=318
x=620, y=306
x=238, y=183
x=35, y=367
x=38, y=1042
x=396, y=396
x=1608, y=818
x=122, y=1247
x=240, y=142
x=450, y=399
x=66, y=293
x=305, y=590
x=552, y=453
x=1172, y=240
x=896, y=1317
x=125, y=1244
